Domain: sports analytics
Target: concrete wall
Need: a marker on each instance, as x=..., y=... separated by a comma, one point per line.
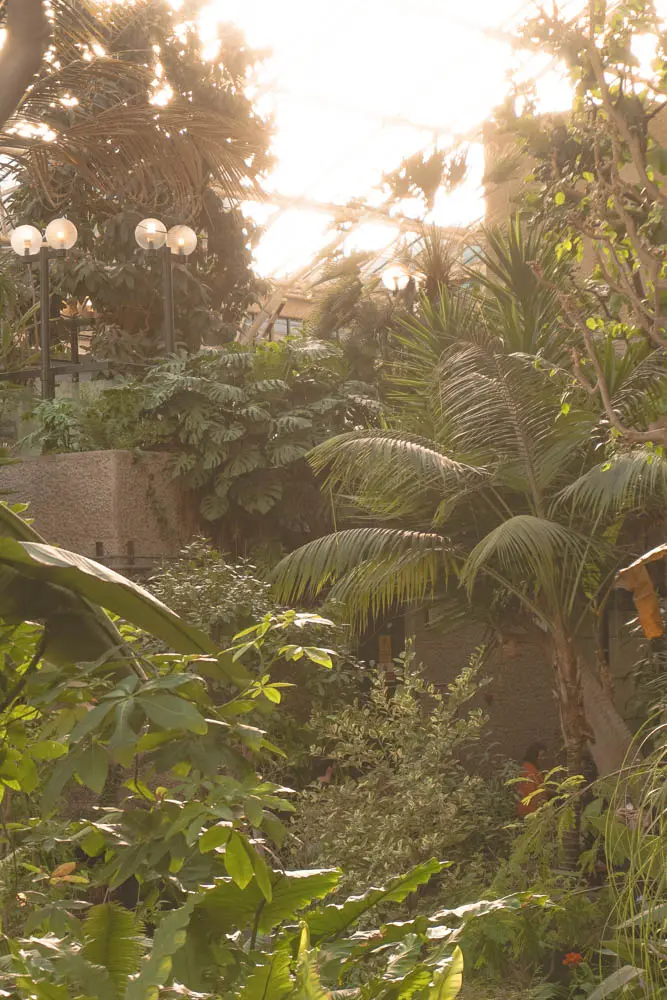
x=519, y=698
x=111, y=504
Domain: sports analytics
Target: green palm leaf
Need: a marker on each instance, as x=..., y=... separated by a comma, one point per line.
x=392, y=474
x=118, y=141
x=316, y=565
x=630, y=482
x=406, y=579
x=67, y=592
x=530, y=550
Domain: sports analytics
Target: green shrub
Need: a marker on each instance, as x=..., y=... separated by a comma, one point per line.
x=217, y=595
x=408, y=783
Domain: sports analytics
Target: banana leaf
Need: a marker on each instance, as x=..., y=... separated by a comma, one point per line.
x=69, y=592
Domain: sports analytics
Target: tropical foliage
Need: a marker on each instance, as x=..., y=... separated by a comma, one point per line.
x=132, y=74
x=107, y=82
x=164, y=879
x=598, y=178
x=487, y=487
x=239, y=423
x=406, y=756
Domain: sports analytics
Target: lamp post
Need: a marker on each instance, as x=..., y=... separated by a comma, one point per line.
x=180, y=241
x=27, y=242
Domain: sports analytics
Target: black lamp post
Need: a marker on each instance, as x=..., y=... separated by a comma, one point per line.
x=60, y=236
x=27, y=242
x=179, y=241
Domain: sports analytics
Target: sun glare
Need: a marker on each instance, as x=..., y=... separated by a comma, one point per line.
x=355, y=87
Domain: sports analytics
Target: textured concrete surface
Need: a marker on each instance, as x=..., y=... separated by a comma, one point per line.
x=519, y=698
x=104, y=504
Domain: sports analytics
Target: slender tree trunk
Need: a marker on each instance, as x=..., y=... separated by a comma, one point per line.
x=575, y=729
x=570, y=699
x=28, y=34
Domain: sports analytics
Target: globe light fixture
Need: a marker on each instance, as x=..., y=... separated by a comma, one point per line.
x=179, y=241
x=151, y=234
x=182, y=241
x=26, y=241
x=61, y=234
x=395, y=278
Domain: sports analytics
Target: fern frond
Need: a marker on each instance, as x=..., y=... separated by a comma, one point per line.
x=112, y=937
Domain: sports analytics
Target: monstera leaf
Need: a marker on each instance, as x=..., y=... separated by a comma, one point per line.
x=68, y=593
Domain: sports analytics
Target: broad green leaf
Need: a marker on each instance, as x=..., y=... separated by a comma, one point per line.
x=123, y=739
x=335, y=918
x=91, y=721
x=93, y=767
x=100, y=587
x=271, y=694
x=214, y=837
x=91, y=979
x=262, y=874
x=168, y=939
x=47, y=750
x=254, y=810
x=615, y=982
x=237, y=860
x=60, y=775
x=320, y=656
x=233, y=908
x=172, y=712
x=293, y=892
x=27, y=775
x=448, y=982
x=93, y=843
x=270, y=980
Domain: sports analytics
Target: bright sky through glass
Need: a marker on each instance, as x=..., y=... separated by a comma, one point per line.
x=356, y=85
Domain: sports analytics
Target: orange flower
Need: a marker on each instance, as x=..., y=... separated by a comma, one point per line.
x=573, y=958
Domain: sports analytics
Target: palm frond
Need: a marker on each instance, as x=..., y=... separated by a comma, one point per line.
x=136, y=148
x=524, y=307
x=118, y=141
x=631, y=482
x=391, y=474
x=500, y=410
x=528, y=551
x=636, y=380
x=376, y=587
x=420, y=342
x=313, y=567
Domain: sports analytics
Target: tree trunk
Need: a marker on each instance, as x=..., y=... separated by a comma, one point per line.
x=574, y=726
x=570, y=699
x=588, y=713
x=588, y=716
x=612, y=738
x=27, y=39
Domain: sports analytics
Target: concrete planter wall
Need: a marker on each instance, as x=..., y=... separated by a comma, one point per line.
x=115, y=506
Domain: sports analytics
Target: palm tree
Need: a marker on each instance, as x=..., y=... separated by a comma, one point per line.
x=486, y=489
x=95, y=100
